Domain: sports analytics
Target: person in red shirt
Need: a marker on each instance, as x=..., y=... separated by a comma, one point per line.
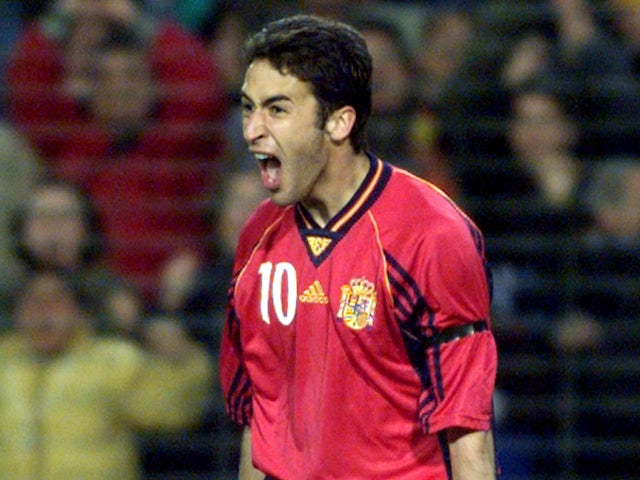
x=122, y=105
x=357, y=343
x=50, y=71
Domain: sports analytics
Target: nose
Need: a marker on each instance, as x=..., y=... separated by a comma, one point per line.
x=253, y=126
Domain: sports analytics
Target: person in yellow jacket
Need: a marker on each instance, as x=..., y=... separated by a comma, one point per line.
x=71, y=402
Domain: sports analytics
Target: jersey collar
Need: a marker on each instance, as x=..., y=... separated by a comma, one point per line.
x=321, y=240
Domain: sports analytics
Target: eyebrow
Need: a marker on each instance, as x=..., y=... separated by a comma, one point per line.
x=269, y=100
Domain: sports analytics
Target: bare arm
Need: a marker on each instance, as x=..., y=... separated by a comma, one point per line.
x=472, y=454
x=247, y=471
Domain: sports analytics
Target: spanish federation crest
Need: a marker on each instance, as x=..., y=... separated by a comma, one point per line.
x=358, y=304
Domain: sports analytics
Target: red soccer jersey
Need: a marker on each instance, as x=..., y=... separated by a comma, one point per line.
x=325, y=351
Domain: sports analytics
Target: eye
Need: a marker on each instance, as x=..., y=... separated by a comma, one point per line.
x=246, y=108
x=276, y=110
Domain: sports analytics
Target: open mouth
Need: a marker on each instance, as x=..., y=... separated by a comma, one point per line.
x=270, y=168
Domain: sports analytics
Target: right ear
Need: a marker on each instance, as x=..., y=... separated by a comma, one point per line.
x=340, y=123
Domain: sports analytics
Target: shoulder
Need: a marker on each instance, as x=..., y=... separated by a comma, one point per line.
x=260, y=223
x=419, y=208
x=266, y=213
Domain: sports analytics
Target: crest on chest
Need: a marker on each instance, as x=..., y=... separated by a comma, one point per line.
x=357, y=304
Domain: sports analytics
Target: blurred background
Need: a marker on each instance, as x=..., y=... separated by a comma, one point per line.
x=122, y=161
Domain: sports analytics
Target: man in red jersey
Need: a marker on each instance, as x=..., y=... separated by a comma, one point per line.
x=357, y=344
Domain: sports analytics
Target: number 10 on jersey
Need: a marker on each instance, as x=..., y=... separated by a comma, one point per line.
x=272, y=281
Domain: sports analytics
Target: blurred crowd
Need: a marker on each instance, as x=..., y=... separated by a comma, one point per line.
x=125, y=181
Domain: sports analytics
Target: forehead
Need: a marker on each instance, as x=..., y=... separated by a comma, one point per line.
x=46, y=287
x=537, y=105
x=263, y=81
x=381, y=45
x=54, y=199
x=128, y=61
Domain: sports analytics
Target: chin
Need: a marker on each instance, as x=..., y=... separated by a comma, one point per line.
x=48, y=346
x=281, y=199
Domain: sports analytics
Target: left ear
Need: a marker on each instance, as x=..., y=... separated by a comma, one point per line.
x=340, y=123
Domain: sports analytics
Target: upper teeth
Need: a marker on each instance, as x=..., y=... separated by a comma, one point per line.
x=261, y=156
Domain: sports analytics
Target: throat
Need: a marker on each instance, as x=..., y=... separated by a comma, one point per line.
x=337, y=195
x=319, y=212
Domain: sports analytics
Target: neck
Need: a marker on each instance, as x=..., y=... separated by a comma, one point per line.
x=339, y=182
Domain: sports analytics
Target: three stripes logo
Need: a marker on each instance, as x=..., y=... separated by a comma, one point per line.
x=314, y=294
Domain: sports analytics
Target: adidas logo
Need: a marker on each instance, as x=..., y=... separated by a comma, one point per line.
x=314, y=294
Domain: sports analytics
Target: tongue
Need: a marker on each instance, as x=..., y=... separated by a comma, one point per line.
x=271, y=174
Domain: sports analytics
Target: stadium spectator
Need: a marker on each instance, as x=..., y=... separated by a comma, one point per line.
x=612, y=196
x=539, y=178
x=542, y=136
x=50, y=69
x=603, y=313
x=571, y=48
x=529, y=204
x=73, y=402
x=446, y=38
x=457, y=64
x=562, y=42
x=612, y=243
x=223, y=33
x=126, y=116
x=401, y=130
x=56, y=226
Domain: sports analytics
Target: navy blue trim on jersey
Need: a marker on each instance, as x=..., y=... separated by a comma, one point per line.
x=478, y=241
x=333, y=237
x=240, y=409
x=369, y=201
x=364, y=197
x=437, y=366
x=410, y=306
x=407, y=291
x=439, y=386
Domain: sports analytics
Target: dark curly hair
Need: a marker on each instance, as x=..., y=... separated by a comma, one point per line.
x=331, y=56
